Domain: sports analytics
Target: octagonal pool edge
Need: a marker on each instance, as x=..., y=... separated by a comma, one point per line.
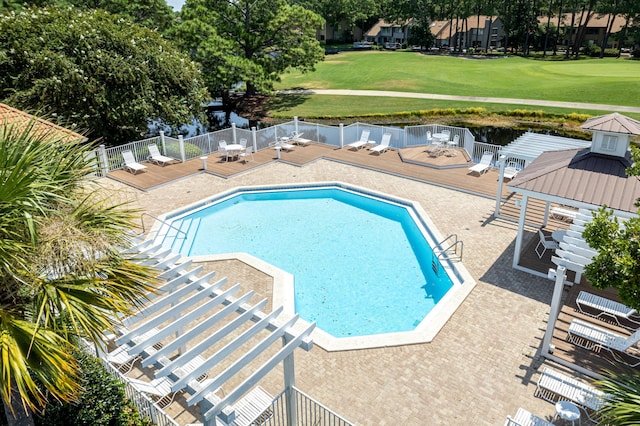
x=283, y=287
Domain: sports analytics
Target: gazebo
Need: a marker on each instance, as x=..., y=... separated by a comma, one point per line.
x=582, y=177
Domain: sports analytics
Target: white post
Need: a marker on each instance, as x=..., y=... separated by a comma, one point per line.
x=546, y=214
x=523, y=213
x=102, y=153
x=233, y=130
x=254, y=139
x=164, y=148
x=559, y=274
x=501, y=161
x=295, y=124
x=289, y=383
x=181, y=142
x=404, y=138
x=341, y=135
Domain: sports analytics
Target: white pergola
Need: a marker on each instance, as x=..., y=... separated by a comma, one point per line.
x=190, y=314
x=527, y=148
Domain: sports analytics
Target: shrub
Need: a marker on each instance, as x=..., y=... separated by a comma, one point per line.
x=102, y=402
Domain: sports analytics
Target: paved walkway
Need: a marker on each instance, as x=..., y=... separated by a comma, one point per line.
x=482, y=365
x=535, y=102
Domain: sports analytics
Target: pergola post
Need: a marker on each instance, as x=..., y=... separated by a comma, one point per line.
x=523, y=214
x=341, y=135
x=289, y=383
x=501, y=162
x=181, y=142
x=233, y=130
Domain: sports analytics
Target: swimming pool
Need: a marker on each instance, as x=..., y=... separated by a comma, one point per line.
x=362, y=262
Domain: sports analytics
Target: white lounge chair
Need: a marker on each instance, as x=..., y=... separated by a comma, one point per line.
x=130, y=163
x=253, y=408
x=564, y=214
x=592, y=337
x=484, y=165
x=297, y=139
x=546, y=243
x=364, y=141
x=158, y=158
x=525, y=418
x=553, y=386
x=598, y=306
x=512, y=170
x=158, y=389
x=284, y=144
x=383, y=145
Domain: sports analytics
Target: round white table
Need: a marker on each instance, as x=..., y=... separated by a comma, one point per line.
x=568, y=411
x=442, y=137
x=233, y=149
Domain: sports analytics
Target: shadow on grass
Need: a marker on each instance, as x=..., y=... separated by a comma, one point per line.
x=286, y=102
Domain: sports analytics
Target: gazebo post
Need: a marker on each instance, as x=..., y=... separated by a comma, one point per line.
x=523, y=213
x=559, y=274
x=501, y=162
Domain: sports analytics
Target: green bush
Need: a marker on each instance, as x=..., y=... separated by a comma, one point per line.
x=102, y=403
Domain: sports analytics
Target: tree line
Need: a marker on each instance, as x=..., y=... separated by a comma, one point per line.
x=110, y=67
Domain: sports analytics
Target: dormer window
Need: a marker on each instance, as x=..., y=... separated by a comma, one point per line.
x=609, y=143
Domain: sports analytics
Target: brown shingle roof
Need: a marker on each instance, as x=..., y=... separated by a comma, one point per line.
x=614, y=122
x=9, y=115
x=583, y=176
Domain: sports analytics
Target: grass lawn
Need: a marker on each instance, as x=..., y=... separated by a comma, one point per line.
x=604, y=81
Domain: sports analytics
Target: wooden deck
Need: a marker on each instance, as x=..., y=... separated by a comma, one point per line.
x=413, y=163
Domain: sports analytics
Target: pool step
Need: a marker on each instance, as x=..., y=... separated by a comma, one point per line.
x=183, y=244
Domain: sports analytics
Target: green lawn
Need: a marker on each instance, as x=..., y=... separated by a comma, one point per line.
x=607, y=81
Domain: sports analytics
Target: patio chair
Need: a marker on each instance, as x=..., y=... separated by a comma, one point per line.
x=383, y=145
x=157, y=158
x=545, y=243
x=248, y=152
x=429, y=138
x=243, y=143
x=130, y=163
x=222, y=153
x=597, y=306
x=525, y=418
x=283, y=143
x=484, y=165
x=364, y=141
x=512, y=170
x=452, y=145
x=593, y=337
x=554, y=385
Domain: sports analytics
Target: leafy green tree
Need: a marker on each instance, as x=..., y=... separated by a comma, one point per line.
x=420, y=33
x=97, y=71
x=249, y=41
x=621, y=408
x=62, y=275
x=344, y=12
x=617, y=263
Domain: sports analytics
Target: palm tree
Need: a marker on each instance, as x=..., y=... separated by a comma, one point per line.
x=61, y=272
x=622, y=407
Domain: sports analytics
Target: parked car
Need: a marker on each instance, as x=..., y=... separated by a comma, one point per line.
x=392, y=46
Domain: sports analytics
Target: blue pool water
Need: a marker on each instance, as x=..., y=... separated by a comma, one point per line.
x=362, y=266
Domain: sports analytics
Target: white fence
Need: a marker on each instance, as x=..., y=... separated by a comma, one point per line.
x=109, y=159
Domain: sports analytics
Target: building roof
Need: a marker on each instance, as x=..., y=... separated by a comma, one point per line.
x=581, y=176
x=596, y=21
x=375, y=29
x=615, y=123
x=9, y=115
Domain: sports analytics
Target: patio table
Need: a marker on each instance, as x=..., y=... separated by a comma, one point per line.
x=234, y=149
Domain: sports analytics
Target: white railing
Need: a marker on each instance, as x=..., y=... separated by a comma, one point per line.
x=109, y=159
x=308, y=412
x=146, y=407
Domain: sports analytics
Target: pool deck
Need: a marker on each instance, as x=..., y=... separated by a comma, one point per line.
x=484, y=362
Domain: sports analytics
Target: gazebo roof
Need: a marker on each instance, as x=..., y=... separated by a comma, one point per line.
x=614, y=122
x=580, y=176
x=531, y=145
